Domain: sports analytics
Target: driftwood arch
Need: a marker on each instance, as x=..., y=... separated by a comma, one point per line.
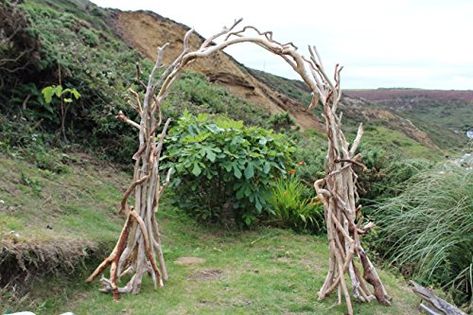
x=138, y=249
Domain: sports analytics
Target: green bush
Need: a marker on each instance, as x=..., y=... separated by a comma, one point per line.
x=89, y=37
x=386, y=174
x=428, y=230
x=223, y=168
x=294, y=205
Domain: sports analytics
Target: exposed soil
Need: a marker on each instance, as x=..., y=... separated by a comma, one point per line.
x=188, y=261
x=146, y=31
x=208, y=274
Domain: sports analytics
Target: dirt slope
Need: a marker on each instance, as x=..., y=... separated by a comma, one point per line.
x=146, y=31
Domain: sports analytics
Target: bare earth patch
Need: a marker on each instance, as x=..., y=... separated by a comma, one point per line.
x=208, y=274
x=189, y=261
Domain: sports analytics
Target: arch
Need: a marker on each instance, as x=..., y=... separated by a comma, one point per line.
x=138, y=249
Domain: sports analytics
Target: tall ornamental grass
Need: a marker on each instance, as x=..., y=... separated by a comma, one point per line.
x=427, y=230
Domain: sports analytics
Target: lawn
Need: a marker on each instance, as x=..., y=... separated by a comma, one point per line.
x=262, y=271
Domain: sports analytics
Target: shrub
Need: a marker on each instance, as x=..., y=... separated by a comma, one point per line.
x=223, y=168
x=385, y=174
x=427, y=230
x=294, y=205
x=282, y=122
x=89, y=37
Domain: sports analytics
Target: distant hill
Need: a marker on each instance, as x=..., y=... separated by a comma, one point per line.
x=386, y=94
x=446, y=115
x=355, y=109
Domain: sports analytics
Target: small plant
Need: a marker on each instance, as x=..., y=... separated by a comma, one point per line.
x=223, y=168
x=33, y=183
x=65, y=97
x=294, y=205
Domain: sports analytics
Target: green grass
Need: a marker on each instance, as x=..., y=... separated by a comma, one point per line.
x=262, y=271
x=81, y=201
x=267, y=271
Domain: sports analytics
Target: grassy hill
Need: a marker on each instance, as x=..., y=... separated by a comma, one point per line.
x=444, y=115
x=384, y=126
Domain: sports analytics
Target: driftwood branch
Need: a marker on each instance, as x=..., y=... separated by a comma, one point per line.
x=432, y=304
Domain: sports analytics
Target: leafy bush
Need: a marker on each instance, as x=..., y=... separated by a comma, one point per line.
x=222, y=168
x=394, y=175
x=294, y=205
x=428, y=230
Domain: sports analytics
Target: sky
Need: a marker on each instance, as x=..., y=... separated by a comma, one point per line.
x=401, y=43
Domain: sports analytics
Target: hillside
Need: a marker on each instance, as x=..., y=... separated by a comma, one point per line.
x=145, y=30
x=357, y=110
x=107, y=41
x=444, y=115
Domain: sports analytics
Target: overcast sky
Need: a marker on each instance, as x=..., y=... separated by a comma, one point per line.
x=401, y=43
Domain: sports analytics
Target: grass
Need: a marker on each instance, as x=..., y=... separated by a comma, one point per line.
x=267, y=271
x=427, y=231
x=52, y=223
x=262, y=271
x=79, y=202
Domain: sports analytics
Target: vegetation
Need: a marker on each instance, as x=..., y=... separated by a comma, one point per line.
x=427, y=230
x=386, y=174
x=65, y=97
x=195, y=94
x=295, y=89
x=265, y=270
x=294, y=205
x=445, y=115
x=225, y=168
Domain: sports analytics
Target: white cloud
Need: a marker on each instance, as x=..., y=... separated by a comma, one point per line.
x=417, y=43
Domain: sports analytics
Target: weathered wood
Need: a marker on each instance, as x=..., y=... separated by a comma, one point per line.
x=432, y=304
x=337, y=191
